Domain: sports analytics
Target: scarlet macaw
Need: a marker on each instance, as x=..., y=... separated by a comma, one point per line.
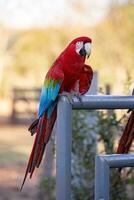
x=68, y=74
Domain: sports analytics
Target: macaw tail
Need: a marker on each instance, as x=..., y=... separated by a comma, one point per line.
x=33, y=127
x=127, y=136
x=43, y=128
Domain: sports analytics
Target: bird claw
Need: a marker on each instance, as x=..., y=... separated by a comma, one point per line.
x=78, y=96
x=71, y=95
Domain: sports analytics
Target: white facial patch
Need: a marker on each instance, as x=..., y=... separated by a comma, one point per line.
x=79, y=46
x=88, y=48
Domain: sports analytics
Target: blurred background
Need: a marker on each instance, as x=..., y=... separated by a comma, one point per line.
x=32, y=35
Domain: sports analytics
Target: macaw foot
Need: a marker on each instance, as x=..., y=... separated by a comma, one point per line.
x=68, y=95
x=71, y=95
x=78, y=96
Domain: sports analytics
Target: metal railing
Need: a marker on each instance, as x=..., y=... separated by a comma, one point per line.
x=64, y=134
x=103, y=163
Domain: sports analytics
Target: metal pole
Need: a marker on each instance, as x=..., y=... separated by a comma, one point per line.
x=63, y=150
x=101, y=179
x=119, y=160
x=104, y=102
x=102, y=165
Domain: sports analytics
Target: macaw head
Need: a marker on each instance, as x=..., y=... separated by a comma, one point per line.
x=81, y=46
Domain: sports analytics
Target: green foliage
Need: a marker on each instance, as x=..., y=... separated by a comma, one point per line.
x=46, y=182
x=83, y=152
x=46, y=188
x=107, y=129
x=118, y=186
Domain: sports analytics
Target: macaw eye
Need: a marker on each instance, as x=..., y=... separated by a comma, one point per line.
x=79, y=46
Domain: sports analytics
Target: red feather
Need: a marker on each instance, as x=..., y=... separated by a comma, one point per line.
x=44, y=130
x=127, y=136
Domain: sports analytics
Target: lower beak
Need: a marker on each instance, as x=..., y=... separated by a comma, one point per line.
x=88, y=55
x=83, y=51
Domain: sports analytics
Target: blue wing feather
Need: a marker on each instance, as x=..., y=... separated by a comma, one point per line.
x=49, y=93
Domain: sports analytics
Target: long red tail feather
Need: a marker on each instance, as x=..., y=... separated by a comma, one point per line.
x=127, y=136
x=43, y=128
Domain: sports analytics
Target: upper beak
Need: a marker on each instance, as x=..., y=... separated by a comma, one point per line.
x=87, y=47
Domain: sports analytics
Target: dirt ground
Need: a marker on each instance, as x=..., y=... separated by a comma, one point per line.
x=15, y=146
x=10, y=181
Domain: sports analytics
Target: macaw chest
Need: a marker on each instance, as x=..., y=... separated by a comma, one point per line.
x=73, y=70
x=69, y=82
x=72, y=73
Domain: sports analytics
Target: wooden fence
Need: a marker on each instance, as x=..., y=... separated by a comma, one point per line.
x=24, y=104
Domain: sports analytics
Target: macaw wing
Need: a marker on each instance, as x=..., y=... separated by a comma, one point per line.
x=83, y=84
x=50, y=90
x=85, y=79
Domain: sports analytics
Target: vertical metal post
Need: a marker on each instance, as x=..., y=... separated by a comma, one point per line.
x=63, y=150
x=101, y=179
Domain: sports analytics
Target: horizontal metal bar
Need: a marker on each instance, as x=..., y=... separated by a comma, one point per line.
x=102, y=102
x=119, y=160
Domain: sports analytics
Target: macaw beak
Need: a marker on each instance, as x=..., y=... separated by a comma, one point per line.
x=82, y=51
x=85, y=50
x=88, y=49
